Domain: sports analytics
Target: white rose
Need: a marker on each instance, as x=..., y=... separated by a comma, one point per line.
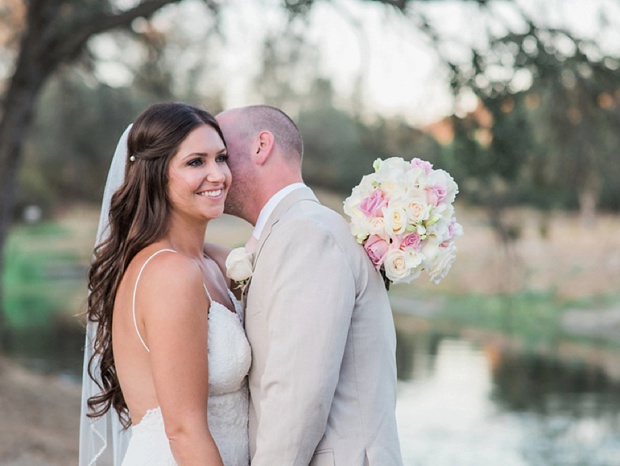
x=391, y=176
x=441, y=263
x=429, y=250
x=402, y=266
x=395, y=218
x=417, y=178
x=395, y=265
x=440, y=229
x=391, y=164
x=413, y=259
x=360, y=227
x=417, y=210
x=376, y=226
x=239, y=265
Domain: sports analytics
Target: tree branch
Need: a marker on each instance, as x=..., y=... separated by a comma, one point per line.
x=70, y=41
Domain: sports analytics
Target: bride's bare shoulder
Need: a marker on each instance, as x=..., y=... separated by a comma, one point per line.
x=161, y=266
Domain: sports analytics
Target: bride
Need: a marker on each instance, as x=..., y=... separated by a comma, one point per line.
x=166, y=351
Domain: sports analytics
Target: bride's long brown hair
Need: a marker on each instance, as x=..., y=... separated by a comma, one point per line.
x=139, y=216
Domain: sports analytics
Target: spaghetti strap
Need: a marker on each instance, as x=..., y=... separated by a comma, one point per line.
x=135, y=288
x=208, y=294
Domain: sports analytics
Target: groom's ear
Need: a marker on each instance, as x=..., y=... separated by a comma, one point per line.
x=262, y=147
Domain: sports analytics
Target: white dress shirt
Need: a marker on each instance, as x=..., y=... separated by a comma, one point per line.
x=269, y=207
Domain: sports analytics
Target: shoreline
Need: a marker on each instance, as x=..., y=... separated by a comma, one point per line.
x=40, y=412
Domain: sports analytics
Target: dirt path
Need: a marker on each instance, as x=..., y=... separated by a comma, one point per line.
x=39, y=418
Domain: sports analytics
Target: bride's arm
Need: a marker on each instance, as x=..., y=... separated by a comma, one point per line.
x=176, y=327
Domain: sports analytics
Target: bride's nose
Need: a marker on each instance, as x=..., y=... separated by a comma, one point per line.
x=216, y=175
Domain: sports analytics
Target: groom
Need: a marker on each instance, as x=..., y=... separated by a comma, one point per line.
x=323, y=376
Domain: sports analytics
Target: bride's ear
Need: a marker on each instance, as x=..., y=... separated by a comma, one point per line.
x=262, y=147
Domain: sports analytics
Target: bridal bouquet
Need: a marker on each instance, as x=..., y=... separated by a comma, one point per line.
x=403, y=216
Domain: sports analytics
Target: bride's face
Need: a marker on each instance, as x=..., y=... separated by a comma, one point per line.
x=198, y=175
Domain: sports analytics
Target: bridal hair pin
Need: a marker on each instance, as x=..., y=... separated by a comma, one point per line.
x=132, y=158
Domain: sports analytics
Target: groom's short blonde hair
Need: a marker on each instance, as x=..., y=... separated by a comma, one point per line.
x=286, y=133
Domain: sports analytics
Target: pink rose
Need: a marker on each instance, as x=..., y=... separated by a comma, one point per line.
x=454, y=229
x=372, y=205
x=376, y=248
x=436, y=194
x=411, y=241
x=423, y=164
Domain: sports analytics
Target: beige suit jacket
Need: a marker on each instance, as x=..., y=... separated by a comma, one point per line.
x=323, y=376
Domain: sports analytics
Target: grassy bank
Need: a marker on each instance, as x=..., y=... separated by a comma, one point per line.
x=523, y=289
x=534, y=318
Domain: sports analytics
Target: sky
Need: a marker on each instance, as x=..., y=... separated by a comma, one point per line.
x=400, y=73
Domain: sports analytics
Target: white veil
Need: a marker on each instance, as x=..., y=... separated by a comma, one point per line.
x=96, y=433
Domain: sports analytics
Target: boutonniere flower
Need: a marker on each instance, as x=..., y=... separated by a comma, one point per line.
x=239, y=266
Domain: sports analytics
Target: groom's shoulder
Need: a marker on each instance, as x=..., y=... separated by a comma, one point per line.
x=314, y=220
x=314, y=215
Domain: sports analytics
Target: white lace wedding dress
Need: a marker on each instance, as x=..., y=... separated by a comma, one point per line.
x=229, y=362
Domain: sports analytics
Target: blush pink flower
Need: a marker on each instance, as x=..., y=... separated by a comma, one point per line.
x=372, y=205
x=436, y=194
x=376, y=248
x=423, y=164
x=411, y=241
x=454, y=229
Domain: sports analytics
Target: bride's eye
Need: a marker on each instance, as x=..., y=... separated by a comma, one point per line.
x=222, y=158
x=195, y=162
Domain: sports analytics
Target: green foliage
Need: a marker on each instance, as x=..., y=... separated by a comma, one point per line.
x=552, y=143
x=340, y=148
x=40, y=276
x=533, y=318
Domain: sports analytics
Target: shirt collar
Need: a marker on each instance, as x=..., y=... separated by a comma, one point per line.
x=270, y=206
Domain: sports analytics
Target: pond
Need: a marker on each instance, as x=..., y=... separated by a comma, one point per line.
x=461, y=401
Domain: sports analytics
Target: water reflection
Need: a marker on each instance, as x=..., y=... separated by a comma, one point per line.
x=464, y=403
x=53, y=348
x=543, y=384
x=460, y=402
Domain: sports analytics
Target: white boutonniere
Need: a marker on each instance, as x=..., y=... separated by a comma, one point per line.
x=239, y=266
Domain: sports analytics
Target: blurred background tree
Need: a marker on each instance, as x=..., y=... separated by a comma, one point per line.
x=535, y=106
x=45, y=34
x=549, y=136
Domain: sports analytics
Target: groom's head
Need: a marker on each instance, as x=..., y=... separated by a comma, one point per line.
x=265, y=153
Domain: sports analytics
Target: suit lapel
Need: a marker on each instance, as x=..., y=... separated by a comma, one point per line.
x=298, y=195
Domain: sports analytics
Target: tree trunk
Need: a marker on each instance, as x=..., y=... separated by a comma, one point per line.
x=18, y=108
x=588, y=200
x=45, y=45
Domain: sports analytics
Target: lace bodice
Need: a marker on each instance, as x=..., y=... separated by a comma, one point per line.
x=229, y=350
x=229, y=363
